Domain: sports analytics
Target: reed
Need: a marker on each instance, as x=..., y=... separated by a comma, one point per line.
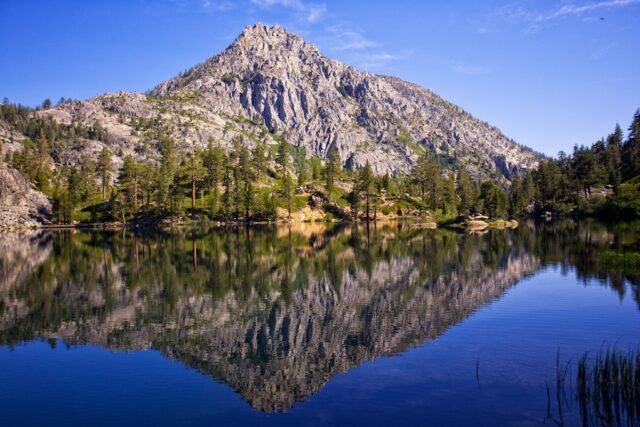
x=607, y=388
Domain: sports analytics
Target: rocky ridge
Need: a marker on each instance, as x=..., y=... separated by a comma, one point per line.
x=271, y=84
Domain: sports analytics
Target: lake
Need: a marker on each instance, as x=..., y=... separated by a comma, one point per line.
x=310, y=325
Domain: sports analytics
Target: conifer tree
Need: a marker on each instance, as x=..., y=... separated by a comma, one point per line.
x=259, y=160
x=195, y=174
x=631, y=150
x=286, y=191
x=213, y=163
x=464, y=190
x=148, y=182
x=613, y=160
x=331, y=171
x=366, y=187
x=166, y=172
x=282, y=156
x=227, y=184
x=104, y=169
x=42, y=162
x=129, y=183
x=450, y=197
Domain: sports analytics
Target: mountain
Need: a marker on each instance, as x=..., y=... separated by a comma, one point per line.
x=269, y=84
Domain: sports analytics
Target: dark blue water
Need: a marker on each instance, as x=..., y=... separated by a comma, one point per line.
x=496, y=320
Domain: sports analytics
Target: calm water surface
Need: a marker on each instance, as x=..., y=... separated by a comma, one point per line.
x=309, y=325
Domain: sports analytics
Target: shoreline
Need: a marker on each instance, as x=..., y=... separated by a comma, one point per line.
x=413, y=222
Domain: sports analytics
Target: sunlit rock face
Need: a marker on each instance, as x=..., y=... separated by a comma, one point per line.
x=270, y=84
x=21, y=206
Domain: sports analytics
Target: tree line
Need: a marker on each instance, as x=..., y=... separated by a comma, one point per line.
x=250, y=183
x=567, y=183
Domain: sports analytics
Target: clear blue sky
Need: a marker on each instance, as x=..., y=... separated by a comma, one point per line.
x=550, y=74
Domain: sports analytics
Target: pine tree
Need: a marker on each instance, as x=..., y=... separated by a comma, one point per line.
x=316, y=168
x=304, y=175
x=166, y=172
x=196, y=175
x=282, y=156
x=515, y=195
x=213, y=163
x=331, y=171
x=248, y=201
x=631, y=150
x=449, y=195
x=464, y=190
x=420, y=176
x=586, y=169
x=286, y=191
x=354, y=196
x=148, y=182
x=104, y=169
x=227, y=183
x=237, y=190
x=259, y=160
x=42, y=159
x=613, y=160
x=88, y=174
x=75, y=186
x=550, y=182
x=494, y=199
x=129, y=183
x=366, y=187
x=427, y=175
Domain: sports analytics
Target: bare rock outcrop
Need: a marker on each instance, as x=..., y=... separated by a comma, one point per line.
x=20, y=205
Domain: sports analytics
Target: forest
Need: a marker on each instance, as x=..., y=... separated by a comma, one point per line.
x=268, y=182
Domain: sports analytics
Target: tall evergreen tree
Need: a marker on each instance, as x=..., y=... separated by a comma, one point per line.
x=166, y=172
x=129, y=183
x=450, y=197
x=366, y=188
x=331, y=171
x=148, y=182
x=282, y=156
x=227, y=185
x=42, y=159
x=196, y=175
x=586, y=169
x=104, y=169
x=613, y=159
x=464, y=190
x=286, y=191
x=631, y=150
x=259, y=160
x=213, y=163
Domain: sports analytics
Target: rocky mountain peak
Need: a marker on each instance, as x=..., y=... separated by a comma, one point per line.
x=260, y=38
x=271, y=84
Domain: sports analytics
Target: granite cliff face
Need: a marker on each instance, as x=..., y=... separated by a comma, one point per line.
x=270, y=84
x=20, y=205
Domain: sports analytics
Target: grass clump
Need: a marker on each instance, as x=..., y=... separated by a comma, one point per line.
x=606, y=389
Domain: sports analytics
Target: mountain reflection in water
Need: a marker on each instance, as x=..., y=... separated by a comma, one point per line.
x=277, y=312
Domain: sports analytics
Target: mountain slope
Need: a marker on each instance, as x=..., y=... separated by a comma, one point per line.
x=270, y=84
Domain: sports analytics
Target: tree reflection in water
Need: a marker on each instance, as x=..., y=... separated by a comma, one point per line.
x=277, y=312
